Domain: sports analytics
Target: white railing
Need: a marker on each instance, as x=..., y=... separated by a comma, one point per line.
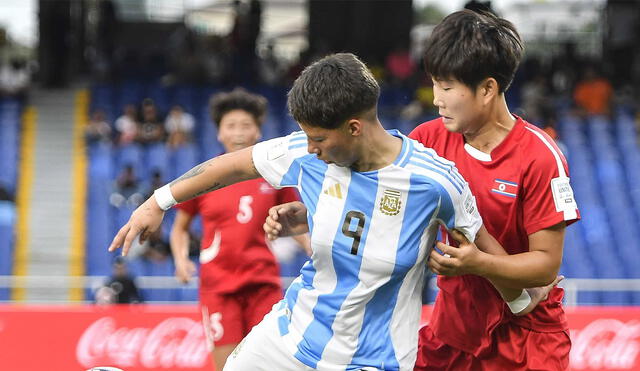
x=572, y=286
x=95, y=282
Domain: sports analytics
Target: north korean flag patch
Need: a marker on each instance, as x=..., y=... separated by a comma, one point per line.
x=505, y=188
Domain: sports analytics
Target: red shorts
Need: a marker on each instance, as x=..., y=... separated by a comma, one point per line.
x=514, y=348
x=228, y=318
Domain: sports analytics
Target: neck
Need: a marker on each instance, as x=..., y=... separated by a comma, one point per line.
x=494, y=127
x=378, y=149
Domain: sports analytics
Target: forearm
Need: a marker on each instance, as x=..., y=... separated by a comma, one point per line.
x=179, y=241
x=529, y=269
x=214, y=174
x=305, y=242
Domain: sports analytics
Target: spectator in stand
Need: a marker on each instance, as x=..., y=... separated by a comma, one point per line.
x=401, y=67
x=563, y=67
x=127, y=125
x=14, y=79
x=98, y=129
x=269, y=67
x=150, y=128
x=535, y=104
x=155, y=183
x=179, y=125
x=123, y=285
x=593, y=93
x=126, y=189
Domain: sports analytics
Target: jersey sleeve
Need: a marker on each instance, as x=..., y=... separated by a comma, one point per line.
x=190, y=206
x=458, y=210
x=548, y=196
x=278, y=160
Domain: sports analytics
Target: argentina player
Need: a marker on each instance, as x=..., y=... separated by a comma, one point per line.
x=375, y=200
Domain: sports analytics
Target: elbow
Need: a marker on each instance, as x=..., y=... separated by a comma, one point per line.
x=549, y=276
x=547, y=280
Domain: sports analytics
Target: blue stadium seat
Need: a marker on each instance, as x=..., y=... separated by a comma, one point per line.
x=183, y=159
x=131, y=154
x=155, y=157
x=187, y=97
x=7, y=223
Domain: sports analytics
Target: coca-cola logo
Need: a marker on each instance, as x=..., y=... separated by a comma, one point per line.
x=175, y=342
x=606, y=344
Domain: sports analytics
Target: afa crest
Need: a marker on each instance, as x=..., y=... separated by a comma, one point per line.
x=391, y=203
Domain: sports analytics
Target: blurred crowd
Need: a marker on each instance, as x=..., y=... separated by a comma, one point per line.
x=15, y=72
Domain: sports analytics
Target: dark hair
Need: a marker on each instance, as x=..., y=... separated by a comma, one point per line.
x=471, y=47
x=332, y=90
x=254, y=104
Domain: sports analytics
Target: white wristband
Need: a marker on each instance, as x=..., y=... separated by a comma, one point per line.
x=164, y=198
x=518, y=305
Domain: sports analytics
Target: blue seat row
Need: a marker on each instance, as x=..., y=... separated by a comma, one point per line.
x=10, y=111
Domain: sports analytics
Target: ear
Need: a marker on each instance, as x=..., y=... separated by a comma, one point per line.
x=488, y=89
x=354, y=126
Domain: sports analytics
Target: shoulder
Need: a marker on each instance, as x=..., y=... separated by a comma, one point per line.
x=543, y=152
x=430, y=169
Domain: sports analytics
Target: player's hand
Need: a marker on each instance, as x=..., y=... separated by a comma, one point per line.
x=143, y=222
x=455, y=261
x=539, y=294
x=185, y=270
x=284, y=220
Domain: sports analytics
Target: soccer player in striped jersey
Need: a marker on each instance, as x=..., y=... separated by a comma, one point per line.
x=375, y=201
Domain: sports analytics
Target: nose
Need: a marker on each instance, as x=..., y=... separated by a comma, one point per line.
x=312, y=149
x=437, y=102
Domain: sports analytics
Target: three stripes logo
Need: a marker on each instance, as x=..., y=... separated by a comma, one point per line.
x=334, y=191
x=505, y=188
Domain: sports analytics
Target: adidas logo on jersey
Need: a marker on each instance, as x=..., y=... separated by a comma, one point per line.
x=334, y=191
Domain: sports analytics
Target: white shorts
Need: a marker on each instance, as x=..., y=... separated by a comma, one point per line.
x=263, y=349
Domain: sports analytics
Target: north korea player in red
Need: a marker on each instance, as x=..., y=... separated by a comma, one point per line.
x=521, y=183
x=239, y=276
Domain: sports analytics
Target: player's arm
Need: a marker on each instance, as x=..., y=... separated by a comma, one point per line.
x=213, y=174
x=520, y=300
x=179, y=241
x=304, y=242
x=486, y=258
x=537, y=267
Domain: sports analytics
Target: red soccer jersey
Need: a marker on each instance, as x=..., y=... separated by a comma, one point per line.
x=520, y=188
x=234, y=252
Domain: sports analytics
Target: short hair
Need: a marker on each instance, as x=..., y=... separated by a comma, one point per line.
x=333, y=90
x=470, y=47
x=222, y=103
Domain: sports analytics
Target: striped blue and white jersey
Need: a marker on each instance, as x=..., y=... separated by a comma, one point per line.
x=357, y=302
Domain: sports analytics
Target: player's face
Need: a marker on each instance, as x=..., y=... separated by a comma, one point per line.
x=459, y=105
x=333, y=146
x=238, y=129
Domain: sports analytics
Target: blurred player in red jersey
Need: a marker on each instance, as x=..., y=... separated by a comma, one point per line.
x=239, y=276
x=521, y=183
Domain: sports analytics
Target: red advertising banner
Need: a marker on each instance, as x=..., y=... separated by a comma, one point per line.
x=133, y=338
x=156, y=337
